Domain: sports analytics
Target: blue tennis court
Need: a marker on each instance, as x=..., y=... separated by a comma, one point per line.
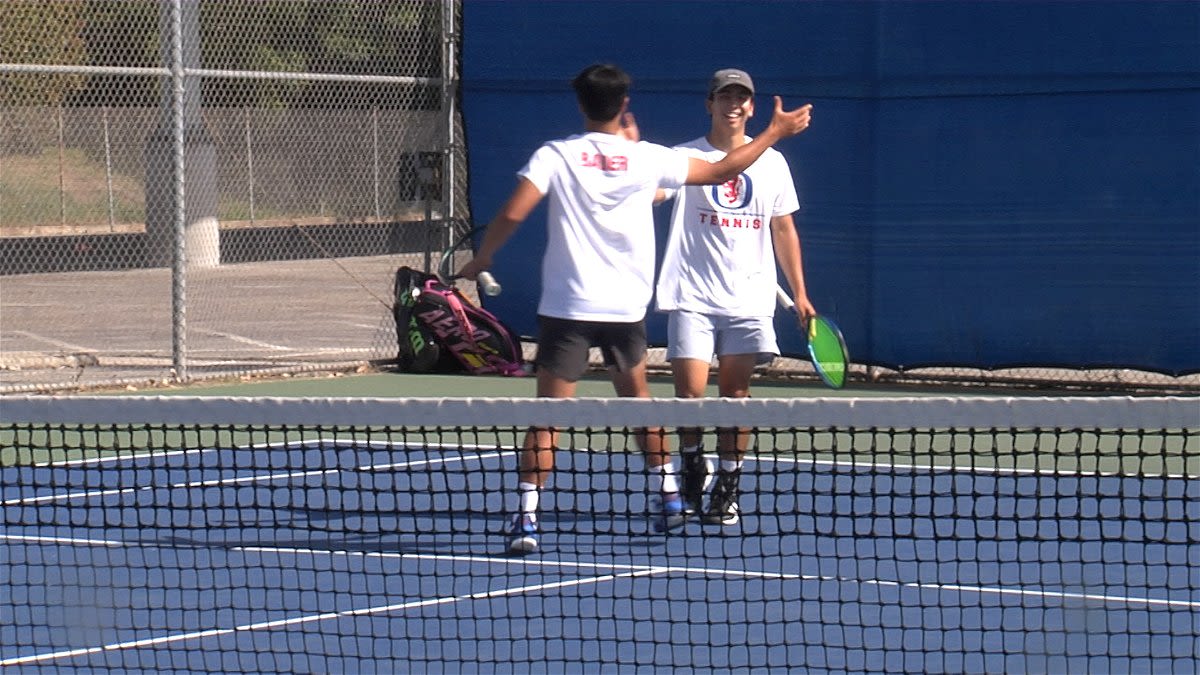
x=369, y=555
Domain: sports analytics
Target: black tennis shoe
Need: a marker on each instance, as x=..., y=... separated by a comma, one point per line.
x=723, y=507
x=695, y=470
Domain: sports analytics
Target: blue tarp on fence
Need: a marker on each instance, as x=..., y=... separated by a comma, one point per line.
x=984, y=184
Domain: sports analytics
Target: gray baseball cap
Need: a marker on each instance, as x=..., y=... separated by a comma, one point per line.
x=729, y=77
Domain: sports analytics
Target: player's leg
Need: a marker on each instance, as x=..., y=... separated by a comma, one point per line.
x=561, y=360
x=624, y=349
x=537, y=454
x=733, y=381
x=631, y=382
x=733, y=377
x=690, y=345
x=742, y=344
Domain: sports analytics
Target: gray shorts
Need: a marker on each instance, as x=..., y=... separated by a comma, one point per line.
x=563, y=345
x=691, y=335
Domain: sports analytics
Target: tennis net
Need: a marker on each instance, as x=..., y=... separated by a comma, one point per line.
x=368, y=535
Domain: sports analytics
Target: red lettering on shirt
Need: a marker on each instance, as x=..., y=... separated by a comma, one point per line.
x=604, y=162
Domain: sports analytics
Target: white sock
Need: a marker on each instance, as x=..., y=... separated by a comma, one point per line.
x=730, y=465
x=662, y=479
x=529, y=498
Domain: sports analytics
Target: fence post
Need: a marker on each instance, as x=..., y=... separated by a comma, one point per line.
x=62, y=172
x=201, y=231
x=108, y=172
x=450, y=38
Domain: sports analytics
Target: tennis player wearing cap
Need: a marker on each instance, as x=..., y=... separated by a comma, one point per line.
x=597, y=273
x=718, y=283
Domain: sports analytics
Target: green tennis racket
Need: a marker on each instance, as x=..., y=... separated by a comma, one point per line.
x=826, y=347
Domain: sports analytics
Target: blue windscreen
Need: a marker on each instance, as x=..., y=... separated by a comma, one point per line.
x=984, y=184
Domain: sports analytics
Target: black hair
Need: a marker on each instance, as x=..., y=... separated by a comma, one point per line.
x=601, y=89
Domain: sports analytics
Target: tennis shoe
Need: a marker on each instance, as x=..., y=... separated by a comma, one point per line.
x=696, y=471
x=524, y=535
x=723, y=507
x=671, y=514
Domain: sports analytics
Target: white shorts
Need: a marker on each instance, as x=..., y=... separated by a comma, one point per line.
x=691, y=335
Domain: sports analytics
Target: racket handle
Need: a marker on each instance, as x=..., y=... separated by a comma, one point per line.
x=488, y=284
x=784, y=300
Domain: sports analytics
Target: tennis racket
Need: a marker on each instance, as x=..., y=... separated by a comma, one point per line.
x=486, y=282
x=826, y=347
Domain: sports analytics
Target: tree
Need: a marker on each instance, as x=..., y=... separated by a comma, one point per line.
x=40, y=33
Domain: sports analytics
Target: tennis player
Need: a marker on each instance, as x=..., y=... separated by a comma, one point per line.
x=597, y=273
x=718, y=282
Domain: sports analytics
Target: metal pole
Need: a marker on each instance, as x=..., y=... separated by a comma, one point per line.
x=449, y=88
x=62, y=171
x=426, y=183
x=249, y=165
x=375, y=158
x=108, y=172
x=179, y=260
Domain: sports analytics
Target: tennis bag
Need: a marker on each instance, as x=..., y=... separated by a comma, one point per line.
x=441, y=331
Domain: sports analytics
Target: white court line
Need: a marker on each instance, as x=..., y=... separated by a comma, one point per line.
x=247, y=341
x=51, y=341
x=340, y=444
x=655, y=569
x=750, y=457
x=256, y=478
x=766, y=459
x=878, y=466
x=108, y=459
x=630, y=570
x=617, y=571
x=945, y=468
x=312, y=618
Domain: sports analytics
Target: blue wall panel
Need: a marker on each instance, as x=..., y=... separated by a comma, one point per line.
x=984, y=184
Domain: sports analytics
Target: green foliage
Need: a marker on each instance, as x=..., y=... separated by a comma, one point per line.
x=360, y=37
x=123, y=34
x=44, y=34
x=46, y=189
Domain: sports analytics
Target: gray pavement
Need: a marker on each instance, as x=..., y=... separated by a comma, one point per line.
x=80, y=329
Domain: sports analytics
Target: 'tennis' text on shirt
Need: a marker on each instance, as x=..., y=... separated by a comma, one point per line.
x=725, y=220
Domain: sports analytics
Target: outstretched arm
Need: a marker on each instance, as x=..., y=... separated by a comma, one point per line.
x=523, y=199
x=784, y=124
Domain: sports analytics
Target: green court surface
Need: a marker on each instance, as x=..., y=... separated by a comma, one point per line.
x=410, y=385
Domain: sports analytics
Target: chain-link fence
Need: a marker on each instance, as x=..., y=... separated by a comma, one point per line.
x=204, y=189
x=194, y=189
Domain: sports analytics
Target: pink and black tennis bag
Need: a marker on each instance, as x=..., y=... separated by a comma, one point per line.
x=441, y=331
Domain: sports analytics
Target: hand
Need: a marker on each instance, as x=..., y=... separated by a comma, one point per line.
x=629, y=128
x=804, y=310
x=473, y=268
x=791, y=122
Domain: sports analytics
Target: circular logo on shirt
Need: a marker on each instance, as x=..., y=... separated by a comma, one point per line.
x=734, y=194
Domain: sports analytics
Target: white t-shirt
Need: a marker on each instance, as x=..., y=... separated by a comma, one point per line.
x=599, y=262
x=720, y=258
